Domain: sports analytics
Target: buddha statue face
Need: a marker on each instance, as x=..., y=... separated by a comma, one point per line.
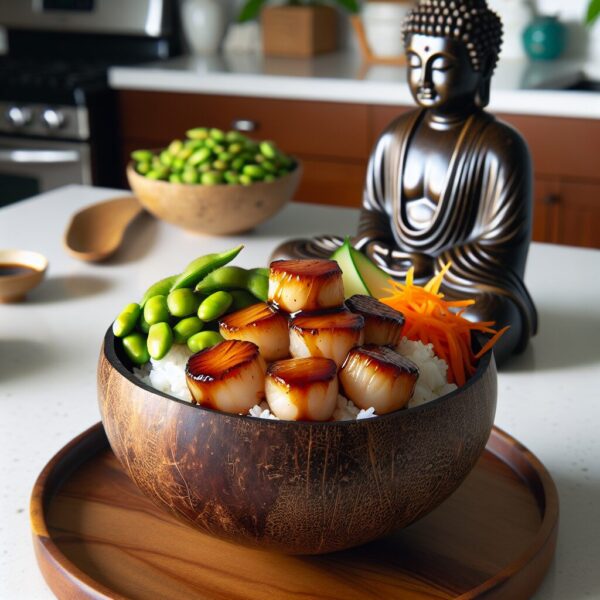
x=440, y=74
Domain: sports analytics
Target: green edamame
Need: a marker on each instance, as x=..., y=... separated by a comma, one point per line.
x=160, y=288
x=224, y=278
x=258, y=285
x=182, y=302
x=262, y=270
x=198, y=157
x=143, y=168
x=142, y=155
x=125, y=323
x=175, y=147
x=268, y=149
x=186, y=328
x=198, y=133
x=189, y=176
x=241, y=299
x=202, y=266
x=160, y=340
x=203, y=340
x=156, y=310
x=136, y=349
x=215, y=306
x=211, y=178
x=142, y=324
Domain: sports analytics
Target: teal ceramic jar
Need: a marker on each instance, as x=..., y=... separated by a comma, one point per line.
x=545, y=38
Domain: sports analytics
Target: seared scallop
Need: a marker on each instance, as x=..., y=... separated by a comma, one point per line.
x=261, y=325
x=296, y=285
x=378, y=377
x=302, y=389
x=229, y=376
x=327, y=334
x=383, y=324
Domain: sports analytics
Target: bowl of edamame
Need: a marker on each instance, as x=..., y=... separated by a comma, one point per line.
x=214, y=182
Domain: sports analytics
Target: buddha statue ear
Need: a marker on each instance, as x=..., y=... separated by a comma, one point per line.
x=482, y=96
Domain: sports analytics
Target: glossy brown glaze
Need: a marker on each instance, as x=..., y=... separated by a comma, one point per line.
x=96, y=536
x=327, y=320
x=383, y=324
x=221, y=361
x=299, y=488
x=302, y=372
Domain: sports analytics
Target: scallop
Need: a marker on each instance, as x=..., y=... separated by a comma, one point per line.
x=302, y=389
x=378, y=377
x=305, y=285
x=383, y=324
x=327, y=334
x=261, y=325
x=229, y=376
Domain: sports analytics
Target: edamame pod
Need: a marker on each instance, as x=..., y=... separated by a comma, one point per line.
x=162, y=287
x=182, y=302
x=143, y=168
x=254, y=171
x=199, y=157
x=175, y=147
x=198, y=133
x=160, y=340
x=204, y=265
x=268, y=149
x=189, y=176
x=186, y=328
x=241, y=299
x=136, y=349
x=258, y=285
x=142, y=155
x=211, y=178
x=143, y=325
x=156, y=310
x=203, y=340
x=224, y=278
x=175, y=178
x=217, y=135
x=125, y=323
x=215, y=306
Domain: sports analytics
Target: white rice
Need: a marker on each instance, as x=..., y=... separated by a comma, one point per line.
x=168, y=375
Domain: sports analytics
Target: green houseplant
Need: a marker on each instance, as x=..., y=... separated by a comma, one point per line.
x=296, y=28
x=593, y=11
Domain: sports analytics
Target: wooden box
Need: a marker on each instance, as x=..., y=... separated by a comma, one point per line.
x=298, y=31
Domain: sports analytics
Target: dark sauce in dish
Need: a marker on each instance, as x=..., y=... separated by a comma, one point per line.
x=14, y=269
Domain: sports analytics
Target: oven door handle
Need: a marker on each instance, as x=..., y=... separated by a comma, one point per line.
x=46, y=157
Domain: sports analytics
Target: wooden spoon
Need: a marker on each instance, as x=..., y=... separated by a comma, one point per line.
x=96, y=232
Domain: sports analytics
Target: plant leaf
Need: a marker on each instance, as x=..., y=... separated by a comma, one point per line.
x=250, y=10
x=352, y=5
x=593, y=11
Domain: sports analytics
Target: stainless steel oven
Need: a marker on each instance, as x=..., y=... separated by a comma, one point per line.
x=58, y=116
x=32, y=166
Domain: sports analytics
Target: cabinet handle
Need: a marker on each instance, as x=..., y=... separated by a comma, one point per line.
x=551, y=199
x=245, y=125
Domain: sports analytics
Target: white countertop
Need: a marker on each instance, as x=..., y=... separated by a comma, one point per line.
x=548, y=398
x=519, y=86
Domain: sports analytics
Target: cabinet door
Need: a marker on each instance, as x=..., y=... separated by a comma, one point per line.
x=578, y=214
x=545, y=205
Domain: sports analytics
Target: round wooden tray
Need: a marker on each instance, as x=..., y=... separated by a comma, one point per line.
x=96, y=536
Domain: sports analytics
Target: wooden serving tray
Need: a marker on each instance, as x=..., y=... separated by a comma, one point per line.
x=96, y=536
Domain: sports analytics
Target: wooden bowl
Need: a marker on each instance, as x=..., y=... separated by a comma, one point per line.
x=293, y=487
x=30, y=268
x=214, y=210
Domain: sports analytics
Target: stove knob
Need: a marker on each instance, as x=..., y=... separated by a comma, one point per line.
x=18, y=116
x=53, y=119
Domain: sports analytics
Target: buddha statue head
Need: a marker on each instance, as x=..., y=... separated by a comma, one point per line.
x=452, y=48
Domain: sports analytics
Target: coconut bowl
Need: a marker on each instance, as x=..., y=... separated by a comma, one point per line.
x=214, y=210
x=293, y=487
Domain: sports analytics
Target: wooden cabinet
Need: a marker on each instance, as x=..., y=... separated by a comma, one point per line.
x=334, y=141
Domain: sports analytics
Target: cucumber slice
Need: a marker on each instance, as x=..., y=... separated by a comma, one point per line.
x=353, y=282
x=359, y=273
x=375, y=280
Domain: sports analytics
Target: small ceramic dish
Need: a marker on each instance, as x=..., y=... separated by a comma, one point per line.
x=20, y=272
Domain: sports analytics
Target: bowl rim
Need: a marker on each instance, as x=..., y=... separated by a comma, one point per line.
x=297, y=170
x=485, y=363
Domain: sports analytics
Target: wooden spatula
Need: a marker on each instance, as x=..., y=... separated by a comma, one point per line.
x=96, y=231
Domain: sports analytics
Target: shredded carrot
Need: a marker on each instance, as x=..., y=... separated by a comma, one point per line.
x=431, y=319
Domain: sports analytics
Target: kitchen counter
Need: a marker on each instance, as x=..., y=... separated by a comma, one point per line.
x=548, y=397
x=519, y=86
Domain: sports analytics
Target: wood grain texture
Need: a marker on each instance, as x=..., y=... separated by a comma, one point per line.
x=300, y=488
x=96, y=536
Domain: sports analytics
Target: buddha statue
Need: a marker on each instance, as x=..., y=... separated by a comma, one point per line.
x=449, y=182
